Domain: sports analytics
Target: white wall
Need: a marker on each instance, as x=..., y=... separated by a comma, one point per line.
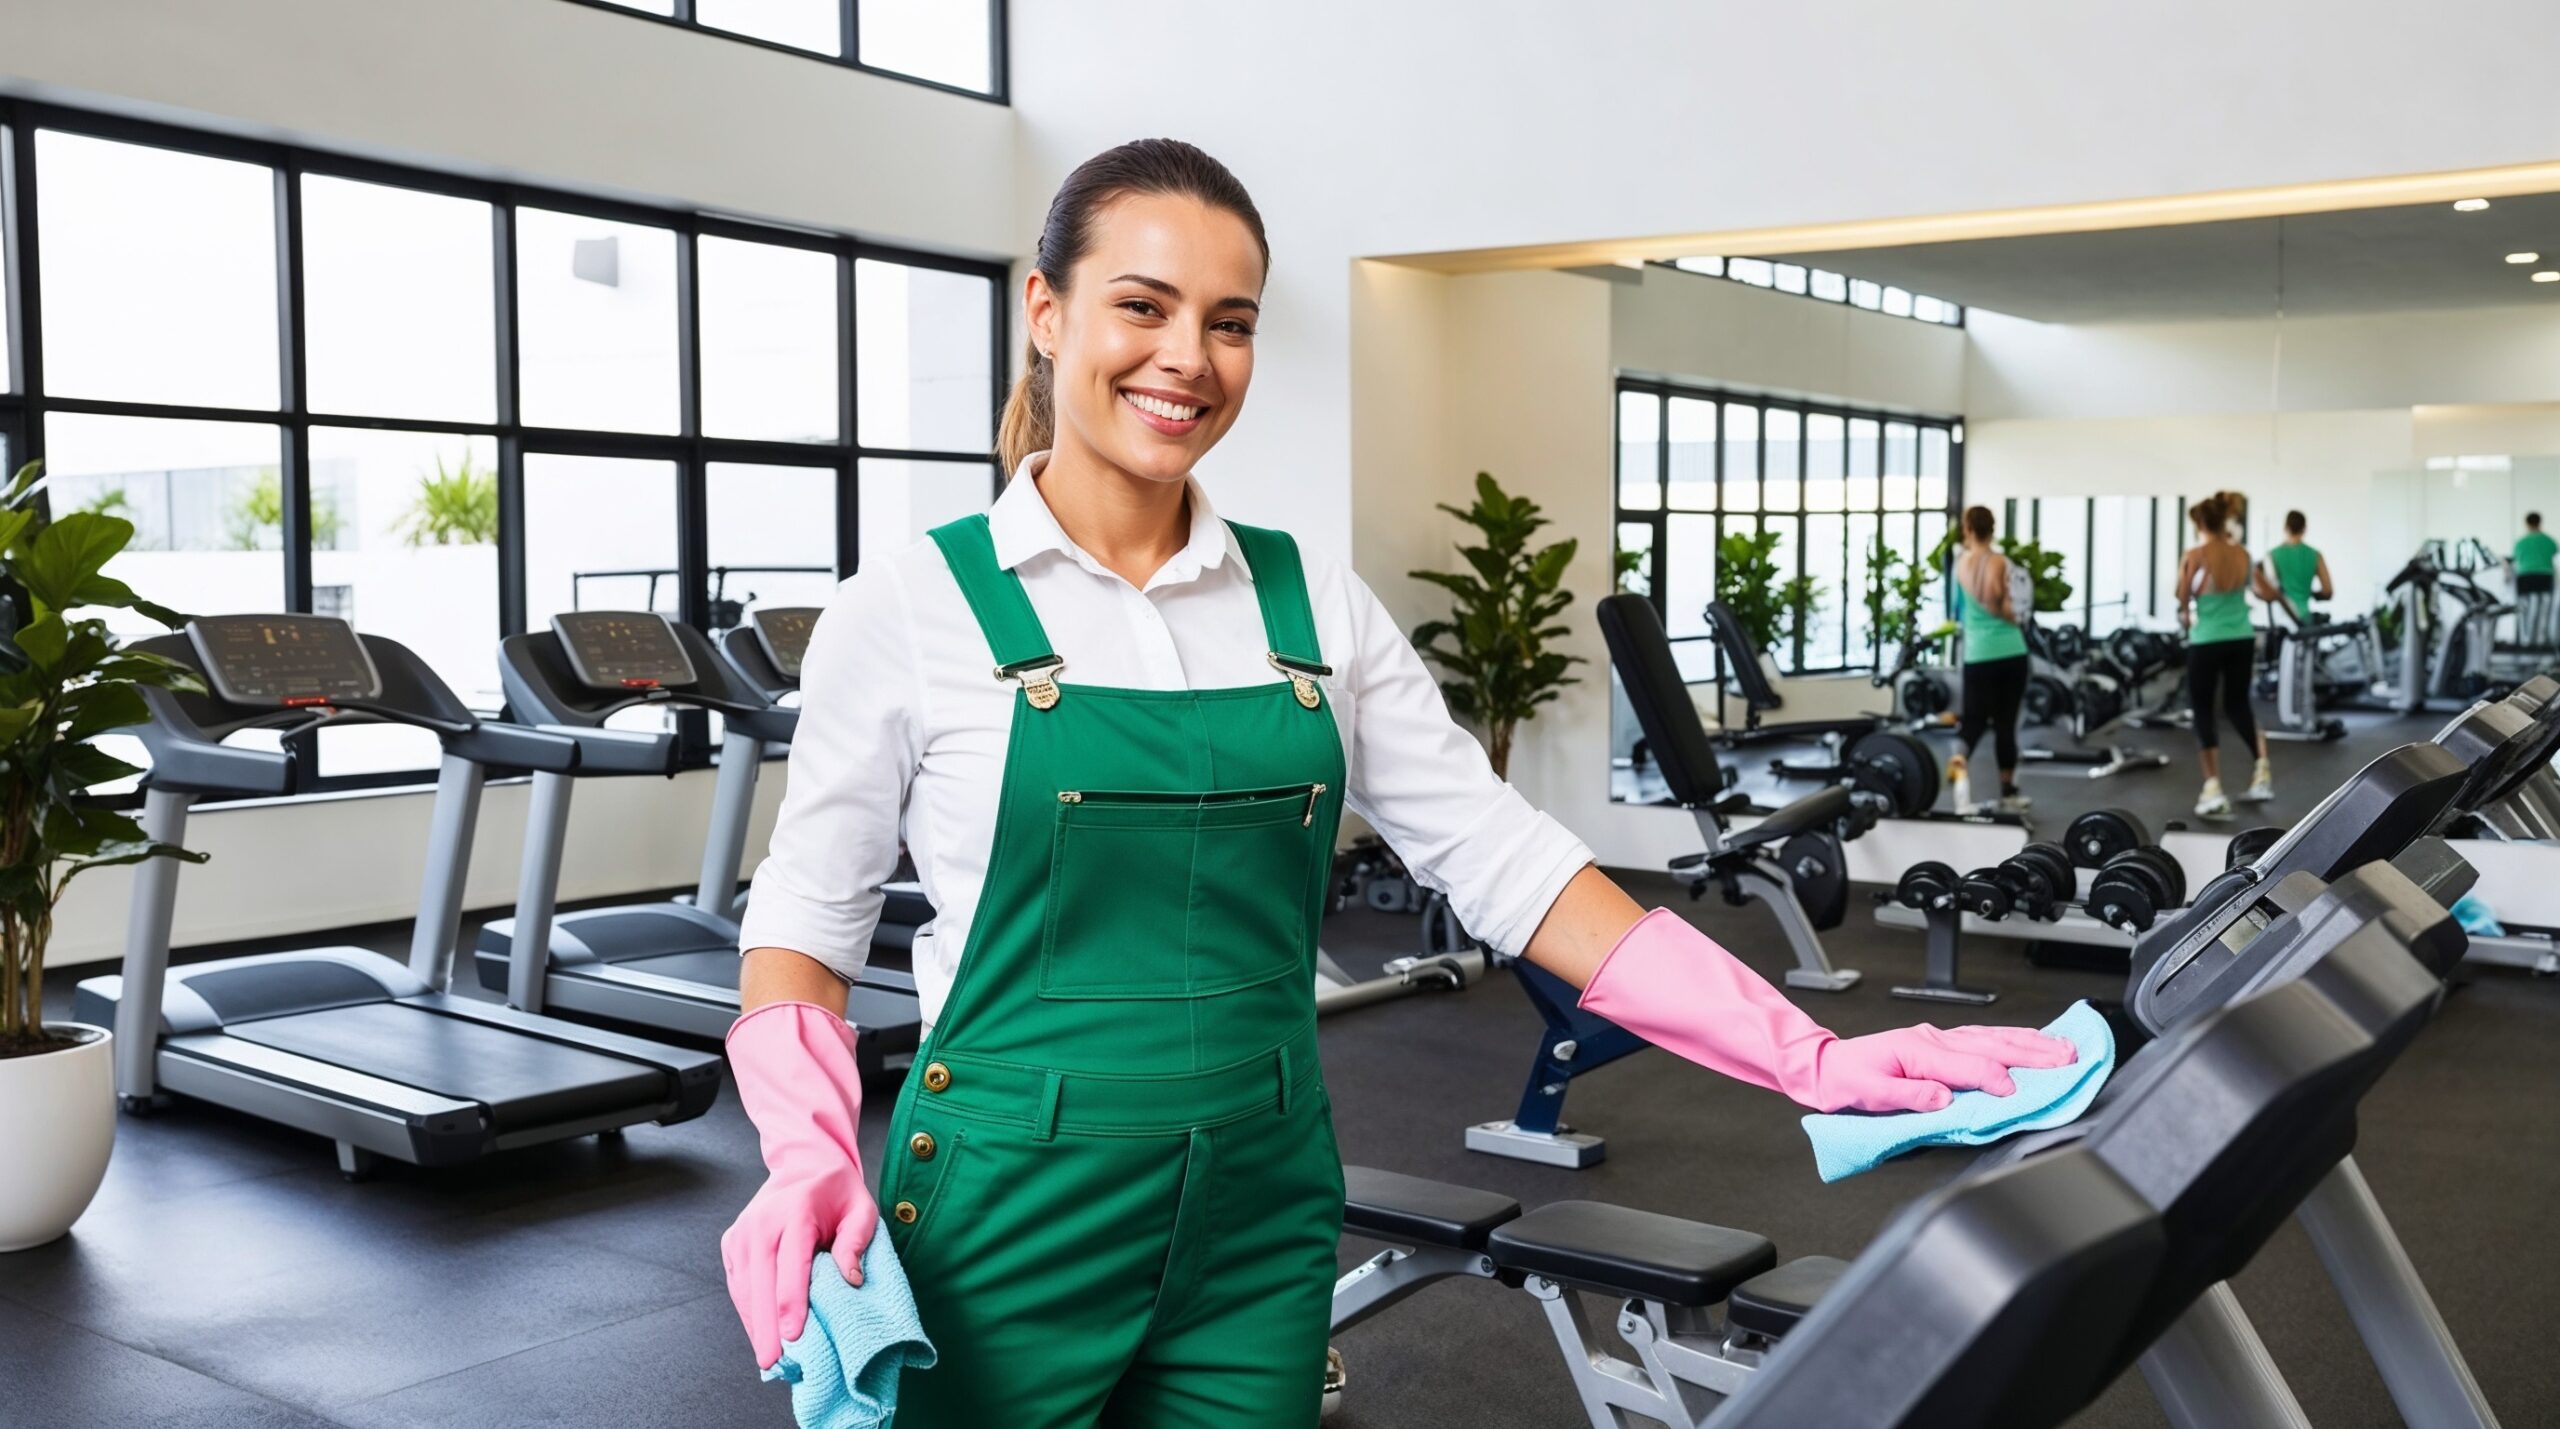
x=1686, y=326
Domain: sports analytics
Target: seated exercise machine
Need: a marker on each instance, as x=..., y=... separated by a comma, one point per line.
x=1873, y=753
x=2306, y=683
x=2091, y=708
x=373, y=1054
x=670, y=964
x=2017, y=1293
x=1792, y=862
x=1368, y=872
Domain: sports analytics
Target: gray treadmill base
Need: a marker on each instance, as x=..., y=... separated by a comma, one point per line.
x=1565, y=1147
x=1815, y=980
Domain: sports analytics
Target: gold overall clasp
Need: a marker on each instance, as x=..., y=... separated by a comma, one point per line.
x=1038, y=677
x=1302, y=676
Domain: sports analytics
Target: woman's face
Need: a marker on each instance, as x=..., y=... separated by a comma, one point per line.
x=1151, y=348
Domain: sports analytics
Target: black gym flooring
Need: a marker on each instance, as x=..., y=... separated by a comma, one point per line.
x=226, y=1278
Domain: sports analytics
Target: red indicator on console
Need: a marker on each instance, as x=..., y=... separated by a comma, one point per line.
x=296, y=701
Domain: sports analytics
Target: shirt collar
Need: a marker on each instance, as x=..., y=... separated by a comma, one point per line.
x=1023, y=526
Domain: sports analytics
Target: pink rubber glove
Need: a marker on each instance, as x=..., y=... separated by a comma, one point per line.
x=1678, y=989
x=793, y=1064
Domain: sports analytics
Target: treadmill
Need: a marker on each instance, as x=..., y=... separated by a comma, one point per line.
x=374, y=1055
x=671, y=964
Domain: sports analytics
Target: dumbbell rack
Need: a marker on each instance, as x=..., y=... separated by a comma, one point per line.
x=2043, y=886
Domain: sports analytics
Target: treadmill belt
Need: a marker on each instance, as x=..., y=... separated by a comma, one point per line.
x=524, y=1081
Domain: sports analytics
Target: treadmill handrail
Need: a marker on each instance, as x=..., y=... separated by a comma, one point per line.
x=613, y=751
x=542, y=690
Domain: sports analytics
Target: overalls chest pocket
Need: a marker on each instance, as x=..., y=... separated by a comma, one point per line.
x=1176, y=895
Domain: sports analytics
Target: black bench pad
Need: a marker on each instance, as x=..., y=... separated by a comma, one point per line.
x=1386, y=1206
x=1771, y=1304
x=1629, y=1253
x=1818, y=810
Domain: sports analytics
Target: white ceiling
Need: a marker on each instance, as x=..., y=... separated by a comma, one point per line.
x=2364, y=261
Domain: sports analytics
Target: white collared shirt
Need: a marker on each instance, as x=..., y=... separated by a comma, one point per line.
x=903, y=729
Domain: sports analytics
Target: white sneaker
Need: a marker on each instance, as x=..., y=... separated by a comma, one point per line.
x=2015, y=803
x=2211, y=804
x=2262, y=785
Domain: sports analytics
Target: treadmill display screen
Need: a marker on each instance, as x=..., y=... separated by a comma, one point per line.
x=622, y=649
x=783, y=631
x=282, y=660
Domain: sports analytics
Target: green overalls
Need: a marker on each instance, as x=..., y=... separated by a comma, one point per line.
x=1112, y=1176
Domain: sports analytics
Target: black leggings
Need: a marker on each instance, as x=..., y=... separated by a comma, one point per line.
x=2226, y=663
x=1992, y=692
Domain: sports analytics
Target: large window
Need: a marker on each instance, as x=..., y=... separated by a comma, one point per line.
x=950, y=44
x=1695, y=465
x=448, y=410
x=1826, y=286
x=2120, y=554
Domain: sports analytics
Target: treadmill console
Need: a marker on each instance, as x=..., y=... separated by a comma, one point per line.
x=283, y=660
x=623, y=649
x=783, y=631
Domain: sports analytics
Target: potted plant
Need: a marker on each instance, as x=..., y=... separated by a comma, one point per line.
x=63, y=683
x=454, y=508
x=1494, y=644
x=1770, y=609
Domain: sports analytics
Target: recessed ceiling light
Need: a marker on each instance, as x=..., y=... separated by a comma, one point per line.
x=2469, y=205
x=2547, y=275
x=2524, y=257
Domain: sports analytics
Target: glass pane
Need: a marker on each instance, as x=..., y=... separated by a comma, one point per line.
x=924, y=364
x=405, y=544
x=1639, y=442
x=1825, y=452
x=1826, y=638
x=1897, y=302
x=812, y=25
x=1829, y=286
x=1933, y=529
x=1901, y=465
x=399, y=305
x=901, y=500
x=1635, y=538
x=1755, y=271
x=1862, y=464
x=1697, y=662
x=599, y=534
x=1712, y=267
x=1952, y=314
x=1741, y=457
x=1784, y=452
x=206, y=500
x=769, y=367
x=1865, y=294
x=1688, y=572
x=1788, y=276
x=1859, y=579
x=1933, y=466
x=596, y=323
x=945, y=41
x=8, y=310
x=2103, y=600
x=1790, y=558
x=772, y=537
x=159, y=274
x=2064, y=528
x=1927, y=309
x=1693, y=454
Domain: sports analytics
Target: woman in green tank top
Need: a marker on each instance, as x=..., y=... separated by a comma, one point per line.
x=1995, y=658
x=2301, y=572
x=2215, y=579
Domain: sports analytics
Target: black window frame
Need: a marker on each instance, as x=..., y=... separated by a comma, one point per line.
x=25, y=403
x=849, y=22
x=1658, y=518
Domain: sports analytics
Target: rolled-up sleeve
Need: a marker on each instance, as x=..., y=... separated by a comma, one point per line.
x=853, y=758
x=1425, y=784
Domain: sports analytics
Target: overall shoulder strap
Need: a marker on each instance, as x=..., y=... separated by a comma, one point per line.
x=995, y=594
x=1280, y=586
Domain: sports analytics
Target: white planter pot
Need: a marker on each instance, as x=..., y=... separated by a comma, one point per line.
x=58, y=1119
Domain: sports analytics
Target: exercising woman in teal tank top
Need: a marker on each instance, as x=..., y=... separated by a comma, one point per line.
x=1995, y=657
x=2215, y=578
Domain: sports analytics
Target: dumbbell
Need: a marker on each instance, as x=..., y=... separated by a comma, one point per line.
x=1989, y=893
x=1927, y=887
x=1866, y=810
x=2135, y=888
x=2101, y=834
x=2041, y=879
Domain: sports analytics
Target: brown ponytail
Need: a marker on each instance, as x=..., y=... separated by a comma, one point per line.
x=1143, y=166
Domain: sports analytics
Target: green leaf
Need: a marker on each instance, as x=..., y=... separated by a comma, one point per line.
x=66, y=554
x=82, y=766
x=141, y=667
x=15, y=720
x=110, y=855
x=95, y=709
x=43, y=640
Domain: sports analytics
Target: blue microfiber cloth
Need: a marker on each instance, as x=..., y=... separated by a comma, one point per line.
x=2475, y=917
x=844, y=1367
x=1846, y=1143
